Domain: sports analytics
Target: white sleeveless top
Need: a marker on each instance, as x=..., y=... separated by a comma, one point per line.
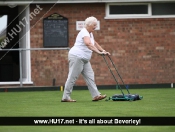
x=80, y=49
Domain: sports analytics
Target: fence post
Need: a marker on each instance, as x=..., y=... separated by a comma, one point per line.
x=20, y=67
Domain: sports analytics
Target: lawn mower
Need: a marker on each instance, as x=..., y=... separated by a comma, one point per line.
x=121, y=97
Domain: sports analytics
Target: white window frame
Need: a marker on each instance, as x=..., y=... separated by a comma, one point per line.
x=128, y=16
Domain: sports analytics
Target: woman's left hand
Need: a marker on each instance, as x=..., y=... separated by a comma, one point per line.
x=106, y=53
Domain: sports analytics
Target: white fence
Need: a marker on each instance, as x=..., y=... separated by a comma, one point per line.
x=24, y=49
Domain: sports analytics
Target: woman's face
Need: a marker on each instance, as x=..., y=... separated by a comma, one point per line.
x=92, y=27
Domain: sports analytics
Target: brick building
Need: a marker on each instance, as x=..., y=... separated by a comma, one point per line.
x=139, y=34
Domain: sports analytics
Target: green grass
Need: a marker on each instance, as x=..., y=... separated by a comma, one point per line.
x=156, y=102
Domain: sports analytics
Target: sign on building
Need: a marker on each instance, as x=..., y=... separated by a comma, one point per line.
x=55, y=29
x=80, y=25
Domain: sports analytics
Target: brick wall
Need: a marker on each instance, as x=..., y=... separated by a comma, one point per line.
x=143, y=50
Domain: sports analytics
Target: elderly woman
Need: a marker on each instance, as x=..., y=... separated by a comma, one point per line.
x=79, y=61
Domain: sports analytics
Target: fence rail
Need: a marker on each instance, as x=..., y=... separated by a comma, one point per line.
x=25, y=49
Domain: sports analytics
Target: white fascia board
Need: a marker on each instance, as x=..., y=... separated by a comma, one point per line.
x=15, y=2
x=20, y=2
x=47, y=1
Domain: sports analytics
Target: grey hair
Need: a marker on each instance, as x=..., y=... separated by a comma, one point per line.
x=90, y=20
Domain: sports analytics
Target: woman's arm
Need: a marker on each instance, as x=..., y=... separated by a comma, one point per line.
x=88, y=43
x=100, y=48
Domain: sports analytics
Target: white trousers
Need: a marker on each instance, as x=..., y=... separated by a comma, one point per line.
x=79, y=66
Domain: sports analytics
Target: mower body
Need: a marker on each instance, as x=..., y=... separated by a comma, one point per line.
x=126, y=97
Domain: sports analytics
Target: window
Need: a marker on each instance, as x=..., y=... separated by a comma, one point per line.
x=163, y=9
x=128, y=9
x=139, y=10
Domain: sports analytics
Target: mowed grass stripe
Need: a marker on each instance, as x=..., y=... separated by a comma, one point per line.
x=156, y=102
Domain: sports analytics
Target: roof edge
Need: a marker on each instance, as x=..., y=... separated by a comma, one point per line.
x=23, y=2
